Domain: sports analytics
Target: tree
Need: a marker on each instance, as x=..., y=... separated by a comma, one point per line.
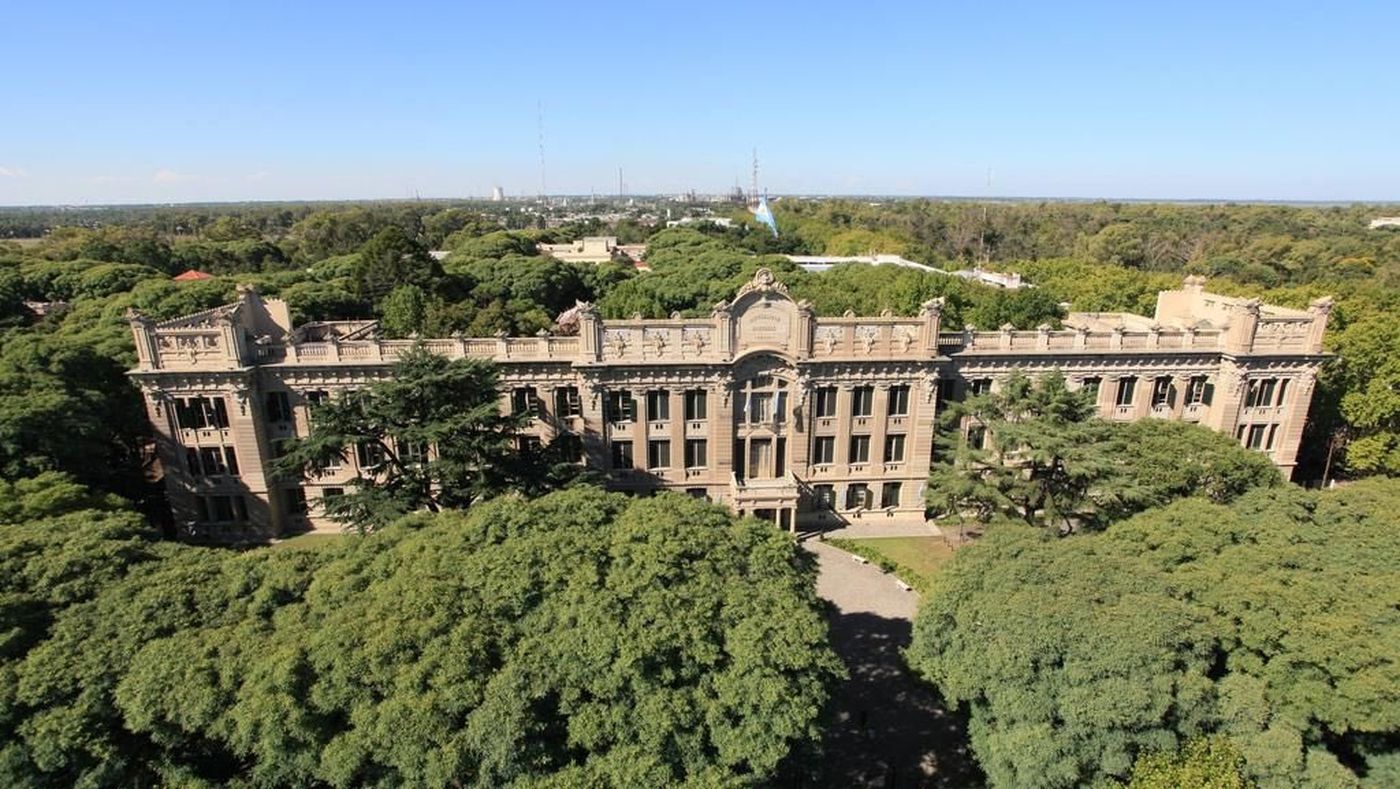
x=1268, y=620
x=432, y=435
x=583, y=638
x=390, y=259
x=404, y=311
x=1041, y=457
x=1202, y=763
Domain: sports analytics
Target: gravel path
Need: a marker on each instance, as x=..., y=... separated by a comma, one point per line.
x=886, y=728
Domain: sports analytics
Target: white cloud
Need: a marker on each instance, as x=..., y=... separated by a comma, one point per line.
x=11, y=172
x=167, y=176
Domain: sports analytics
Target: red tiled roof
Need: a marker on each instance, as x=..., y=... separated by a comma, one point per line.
x=192, y=275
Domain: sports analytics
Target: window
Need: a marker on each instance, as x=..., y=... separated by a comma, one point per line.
x=1260, y=393
x=221, y=509
x=332, y=493
x=898, y=401
x=658, y=454
x=570, y=447
x=198, y=413
x=1125, y=391
x=212, y=461
x=977, y=437
x=761, y=457
x=1256, y=436
x=567, y=402
x=369, y=454
x=1196, y=391
x=316, y=397
x=294, y=502
x=695, y=405
x=760, y=407
x=862, y=400
x=330, y=464
x=696, y=450
x=528, y=444
x=860, y=449
x=824, y=450
x=523, y=401
x=622, y=454
x=1090, y=387
x=889, y=494
x=979, y=386
x=658, y=405
x=826, y=401
x=410, y=452
x=697, y=493
x=1282, y=389
x=278, y=406
x=621, y=407
x=1269, y=441
x=946, y=392
x=894, y=449
x=1161, y=392
x=824, y=496
x=857, y=496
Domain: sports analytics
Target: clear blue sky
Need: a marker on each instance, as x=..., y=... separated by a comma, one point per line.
x=203, y=100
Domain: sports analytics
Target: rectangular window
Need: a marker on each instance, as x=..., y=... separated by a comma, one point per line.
x=760, y=407
x=1090, y=387
x=1260, y=393
x=780, y=458
x=824, y=450
x=219, y=416
x=221, y=508
x=824, y=496
x=658, y=405
x=826, y=401
x=622, y=454
x=894, y=449
x=1196, y=390
x=889, y=494
x=977, y=437
x=279, y=407
x=211, y=461
x=1125, y=391
x=898, y=401
x=760, y=458
x=697, y=493
x=857, y=496
x=567, y=402
x=316, y=397
x=294, y=500
x=1256, y=436
x=528, y=444
x=862, y=400
x=696, y=451
x=231, y=461
x=1161, y=392
x=946, y=392
x=1282, y=390
x=198, y=413
x=658, y=454
x=860, y=449
x=621, y=407
x=1269, y=441
x=332, y=493
x=695, y=405
x=524, y=402
x=979, y=386
x=370, y=455
x=570, y=447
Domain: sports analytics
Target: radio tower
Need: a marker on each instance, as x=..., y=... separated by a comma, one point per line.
x=753, y=191
x=539, y=118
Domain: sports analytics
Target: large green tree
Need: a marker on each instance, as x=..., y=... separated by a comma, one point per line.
x=1271, y=620
x=580, y=639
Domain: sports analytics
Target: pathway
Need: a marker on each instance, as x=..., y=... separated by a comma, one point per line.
x=887, y=728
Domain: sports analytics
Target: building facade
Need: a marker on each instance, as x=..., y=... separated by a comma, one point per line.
x=803, y=420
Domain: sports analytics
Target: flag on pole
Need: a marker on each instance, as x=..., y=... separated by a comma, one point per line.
x=764, y=215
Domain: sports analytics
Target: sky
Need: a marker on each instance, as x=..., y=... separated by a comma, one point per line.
x=210, y=101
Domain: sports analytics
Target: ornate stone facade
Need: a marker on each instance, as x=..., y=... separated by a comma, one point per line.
x=805, y=420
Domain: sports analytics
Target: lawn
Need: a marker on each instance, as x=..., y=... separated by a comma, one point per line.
x=920, y=556
x=308, y=541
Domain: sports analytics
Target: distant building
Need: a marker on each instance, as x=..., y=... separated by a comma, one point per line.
x=722, y=221
x=819, y=263
x=594, y=249
x=497, y=194
x=41, y=309
x=1385, y=221
x=994, y=278
x=192, y=275
x=804, y=420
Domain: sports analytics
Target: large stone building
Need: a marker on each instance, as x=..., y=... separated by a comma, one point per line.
x=762, y=405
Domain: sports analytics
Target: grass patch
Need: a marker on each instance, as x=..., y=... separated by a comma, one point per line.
x=310, y=541
x=915, y=560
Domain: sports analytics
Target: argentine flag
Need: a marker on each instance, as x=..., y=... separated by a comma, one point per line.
x=764, y=214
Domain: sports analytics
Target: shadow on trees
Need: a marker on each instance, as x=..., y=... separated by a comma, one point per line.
x=884, y=727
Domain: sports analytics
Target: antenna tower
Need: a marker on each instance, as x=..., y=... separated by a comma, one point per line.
x=539, y=119
x=753, y=191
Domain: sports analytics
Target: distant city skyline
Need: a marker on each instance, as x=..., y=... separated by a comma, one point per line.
x=161, y=102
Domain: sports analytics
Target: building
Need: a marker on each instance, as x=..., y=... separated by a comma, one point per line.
x=497, y=194
x=1385, y=221
x=765, y=406
x=996, y=279
x=593, y=249
x=819, y=263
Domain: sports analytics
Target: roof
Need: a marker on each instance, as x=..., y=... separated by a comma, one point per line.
x=192, y=275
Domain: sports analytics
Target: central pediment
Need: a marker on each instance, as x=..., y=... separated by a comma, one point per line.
x=763, y=317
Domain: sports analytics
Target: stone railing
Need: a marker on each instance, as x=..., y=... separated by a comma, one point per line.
x=1072, y=341
x=564, y=349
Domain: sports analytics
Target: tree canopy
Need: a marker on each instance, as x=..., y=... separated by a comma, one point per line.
x=1270, y=620
x=582, y=638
